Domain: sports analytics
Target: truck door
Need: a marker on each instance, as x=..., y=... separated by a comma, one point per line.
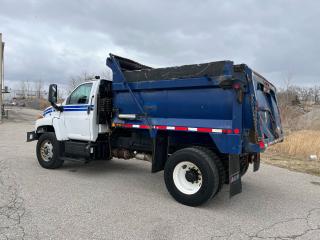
x=76, y=113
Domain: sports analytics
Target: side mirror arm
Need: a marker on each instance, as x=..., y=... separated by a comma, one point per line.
x=55, y=106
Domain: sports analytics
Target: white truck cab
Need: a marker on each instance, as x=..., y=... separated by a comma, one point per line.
x=78, y=119
x=78, y=129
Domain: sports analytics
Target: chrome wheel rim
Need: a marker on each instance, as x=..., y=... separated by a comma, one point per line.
x=46, y=151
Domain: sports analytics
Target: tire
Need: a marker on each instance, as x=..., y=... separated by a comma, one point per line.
x=244, y=165
x=219, y=165
x=192, y=176
x=48, y=151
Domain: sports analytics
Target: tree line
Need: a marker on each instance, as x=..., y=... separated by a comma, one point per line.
x=295, y=95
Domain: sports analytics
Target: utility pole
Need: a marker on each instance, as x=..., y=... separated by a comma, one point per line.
x=1, y=74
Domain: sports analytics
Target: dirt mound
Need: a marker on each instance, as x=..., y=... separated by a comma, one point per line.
x=309, y=120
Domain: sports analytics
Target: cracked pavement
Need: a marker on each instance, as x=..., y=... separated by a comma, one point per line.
x=11, y=207
x=299, y=228
x=121, y=199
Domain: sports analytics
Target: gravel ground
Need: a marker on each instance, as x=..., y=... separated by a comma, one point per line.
x=121, y=199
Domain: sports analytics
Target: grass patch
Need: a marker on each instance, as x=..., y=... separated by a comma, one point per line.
x=295, y=151
x=291, y=163
x=300, y=144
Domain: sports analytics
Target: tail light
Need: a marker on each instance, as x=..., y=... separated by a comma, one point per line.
x=262, y=145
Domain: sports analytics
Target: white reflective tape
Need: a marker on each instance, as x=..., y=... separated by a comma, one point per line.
x=170, y=128
x=136, y=126
x=216, y=130
x=192, y=129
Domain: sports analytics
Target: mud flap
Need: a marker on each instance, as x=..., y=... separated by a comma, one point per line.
x=160, y=151
x=234, y=175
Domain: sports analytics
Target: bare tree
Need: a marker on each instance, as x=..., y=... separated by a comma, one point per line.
x=62, y=93
x=304, y=93
x=107, y=74
x=38, y=87
x=316, y=92
x=28, y=88
x=288, y=82
x=76, y=80
x=23, y=89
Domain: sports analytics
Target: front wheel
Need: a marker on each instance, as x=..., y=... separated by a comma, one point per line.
x=48, y=151
x=191, y=176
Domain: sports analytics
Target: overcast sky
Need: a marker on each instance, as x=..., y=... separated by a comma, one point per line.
x=53, y=40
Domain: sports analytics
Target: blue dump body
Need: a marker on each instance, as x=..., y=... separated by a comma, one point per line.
x=219, y=104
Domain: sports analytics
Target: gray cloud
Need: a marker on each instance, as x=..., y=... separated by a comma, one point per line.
x=53, y=40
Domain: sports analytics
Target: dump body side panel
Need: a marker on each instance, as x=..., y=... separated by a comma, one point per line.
x=234, y=105
x=201, y=107
x=191, y=105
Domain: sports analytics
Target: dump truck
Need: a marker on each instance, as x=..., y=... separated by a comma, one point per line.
x=203, y=124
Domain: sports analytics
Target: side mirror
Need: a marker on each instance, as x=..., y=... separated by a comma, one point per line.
x=53, y=94
x=53, y=97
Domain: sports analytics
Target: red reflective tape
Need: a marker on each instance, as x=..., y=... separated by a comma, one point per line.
x=227, y=131
x=181, y=128
x=204, y=129
x=161, y=127
x=236, y=131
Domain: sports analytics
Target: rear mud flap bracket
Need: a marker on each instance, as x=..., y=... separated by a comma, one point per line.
x=234, y=175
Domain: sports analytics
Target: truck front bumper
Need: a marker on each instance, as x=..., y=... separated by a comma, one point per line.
x=32, y=136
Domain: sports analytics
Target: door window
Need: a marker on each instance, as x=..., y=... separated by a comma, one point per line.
x=81, y=94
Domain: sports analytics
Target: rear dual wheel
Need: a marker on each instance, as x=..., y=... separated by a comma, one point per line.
x=193, y=175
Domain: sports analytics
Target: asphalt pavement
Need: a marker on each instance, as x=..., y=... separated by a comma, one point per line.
x=122, y=199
